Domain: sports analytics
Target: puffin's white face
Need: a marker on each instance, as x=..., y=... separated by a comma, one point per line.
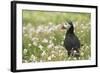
x=66, y=26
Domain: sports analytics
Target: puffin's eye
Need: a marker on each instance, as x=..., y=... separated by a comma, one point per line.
x=67, y=26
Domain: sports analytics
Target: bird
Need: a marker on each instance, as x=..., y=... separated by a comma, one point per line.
x=71, y=41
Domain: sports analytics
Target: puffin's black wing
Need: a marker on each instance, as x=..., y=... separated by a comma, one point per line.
x=71, y=41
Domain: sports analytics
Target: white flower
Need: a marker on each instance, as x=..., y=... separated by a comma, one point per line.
x=61, y=54
x=41, y=47
x=35, y=43
x=50, y=45
x=60, y=51
x=82, y=53
x=52, y=37
x=75, y=51
x=31, y=30
x=87, y=47
x=24, y=28
x=33, y=58
x=52, y=51
x=35, y=39
x=29, y=44
x=53, y=56
x=41, y=60
x=39, y=29
x=45, y=41
x=25, y=61
x=25, y=51
x=62, y=42
x=75, y=58
x=50, y=29
x=50, y=41
x=69, y=58
x=43, y=53
x=82, y=24
x=50, y=23
x=56, y=47
x=81, y=31
x=64, y=36
x=49, y=58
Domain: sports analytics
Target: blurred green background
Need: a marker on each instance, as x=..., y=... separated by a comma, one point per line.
x=43, y=38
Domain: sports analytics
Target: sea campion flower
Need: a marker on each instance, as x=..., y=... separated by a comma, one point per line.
x=61, y=54
x=62, y=43
x=25, y=61
x=34, y=39
x=60, y=51
x=53, y=56
x=25, y=51
x=81, y=53
x=29, y=44
x=24, y=28
x=52, y=37
x=50, y=23
x=33, y=58
x=43, y=53
x=39, y=29
x=81, y=31
x=45, y=41
x=49, y=58
x=41, y=47
x=35, y=43
x=50, y=45
x=53, y=52
x=56, y=47
x=50, y=41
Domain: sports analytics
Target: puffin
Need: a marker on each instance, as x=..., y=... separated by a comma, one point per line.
x=71, y=41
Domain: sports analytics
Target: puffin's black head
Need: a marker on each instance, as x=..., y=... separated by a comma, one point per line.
x=69, y=26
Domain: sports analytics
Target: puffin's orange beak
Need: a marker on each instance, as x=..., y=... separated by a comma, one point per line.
x=63, y=27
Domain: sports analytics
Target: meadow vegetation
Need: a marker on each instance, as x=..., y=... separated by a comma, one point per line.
x=43, y=38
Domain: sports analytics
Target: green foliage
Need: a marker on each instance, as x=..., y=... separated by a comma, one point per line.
x=43, y=39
